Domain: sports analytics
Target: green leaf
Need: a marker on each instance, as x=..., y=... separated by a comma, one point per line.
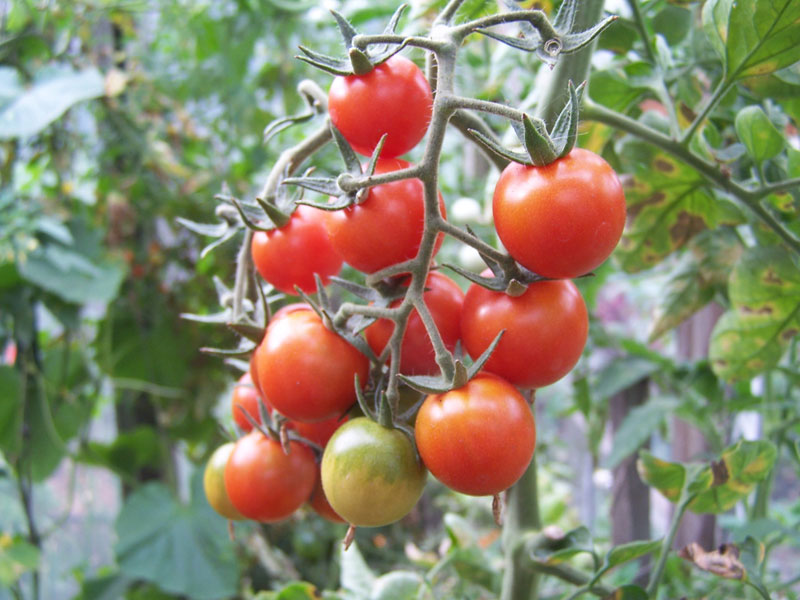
x=10, y=411
x=622, y=374
x=182, y=549
x=763, y=37
x=106, y=587
x=46, y=101
x=746, y=464
x=758, y=134
x=764, y=292
x=297, y=590
x=556, y=551
x=628, y=592
x=715, y=23
x=668, y=204
x=667, y=477
x=639, y=424
x=356, y=576
x=628, y=552
x=619, y=88
x=703, y=272
x=128, y=453
x=17, y=557
x=397, y=585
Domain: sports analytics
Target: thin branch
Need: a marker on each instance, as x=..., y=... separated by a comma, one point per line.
x=536, y=18
x=721, y=90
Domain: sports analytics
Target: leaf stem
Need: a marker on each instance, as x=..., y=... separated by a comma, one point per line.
x=666, y=547
x=721, y=90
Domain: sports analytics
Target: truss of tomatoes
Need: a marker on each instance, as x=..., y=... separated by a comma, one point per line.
x=560, y=221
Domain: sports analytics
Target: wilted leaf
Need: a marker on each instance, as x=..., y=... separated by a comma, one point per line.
x=723, y=561
x=764, y=291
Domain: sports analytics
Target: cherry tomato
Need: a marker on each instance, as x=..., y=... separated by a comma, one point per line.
x=561, y=220
x=306, y=370
x=290, y=255
x=245, y=398
x=263, y=483
x=321, y=506
x=370, y=474
x=394, y=98
x=546, y=329
x=319, y=432
x=214, y=483
x=477, y=439
x=445, y=300
x=386, y=228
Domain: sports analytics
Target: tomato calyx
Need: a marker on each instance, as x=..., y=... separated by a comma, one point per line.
x=542, y=147
x=359, y=61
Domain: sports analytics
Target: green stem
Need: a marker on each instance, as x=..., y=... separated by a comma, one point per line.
x=536, y=18
x=721, y=90
x=643, y=33
x=666, y=548
x=749, y=198
x=520, y=581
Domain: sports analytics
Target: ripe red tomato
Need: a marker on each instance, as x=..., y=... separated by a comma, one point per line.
x=394, y=98
x=214, y=483
x=370, y=473
x=444, y=300
x=386, y=228
x=477, y=439
x=290, y=255
x=263, y=483
x=319, y=432
x=321, y=506
x=561, y=220
x=546, y=329
x=306, y=370
x=245, y=398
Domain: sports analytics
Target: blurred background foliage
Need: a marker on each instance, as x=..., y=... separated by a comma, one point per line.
x=119, y=116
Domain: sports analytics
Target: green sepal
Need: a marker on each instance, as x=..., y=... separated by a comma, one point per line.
x=351, y=161
x=244, y=350
x=492, y=146
x=490, y=283
x=220, y=318
x=329, y=64
x=360, y=61
x=532, y=132
x=222, y=231
x=248, y=330
x=572, y=42
x=247, y=219
x=385, y=414
x=437, y=384
x=345, y=28
x=565, y=129
x=361, y=291
x=321, y=185
x=279, y=125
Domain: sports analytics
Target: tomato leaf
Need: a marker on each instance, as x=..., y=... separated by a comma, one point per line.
x=17, y=557
x=637, y=427
x=758, y=134
x=628, y=552
x=560, y=549
x=764, y=291
x=356, y=576
x=10, y=411
x=628, y=592
x=183, y=549
x=667, y=477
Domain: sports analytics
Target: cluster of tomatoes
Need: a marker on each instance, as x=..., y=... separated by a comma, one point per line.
x=559, y=221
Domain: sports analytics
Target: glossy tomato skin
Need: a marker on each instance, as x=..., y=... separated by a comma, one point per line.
x=370, y=474
x=394, y=98
x=319, y=432
x=319, y=503
x=214, y=483
x=445, y=300
x=561, y=220
x=290, y=255
x=263, y=483
x=546, y=330
x=387, y=227
x=245, y=398
x=477, y=439
x=306, y=371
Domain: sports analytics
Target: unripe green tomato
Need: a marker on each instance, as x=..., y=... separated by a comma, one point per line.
x=370, y=473
x=214, y=483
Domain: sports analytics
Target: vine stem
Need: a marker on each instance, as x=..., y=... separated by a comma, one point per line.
x=721, y=90
x=666, y=547
x=749, y=198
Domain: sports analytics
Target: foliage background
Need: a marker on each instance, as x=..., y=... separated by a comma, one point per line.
x=119, y=116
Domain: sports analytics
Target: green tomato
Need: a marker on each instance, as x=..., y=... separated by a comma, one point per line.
x=371, y=474
x=214, y=483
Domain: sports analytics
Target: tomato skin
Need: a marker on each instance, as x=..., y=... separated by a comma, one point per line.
x=370, y=474
x=445, y=301
x=290, y=255
x=321, y=506
x=387, y=227
x=546, y=330
x=214, y=483
x=319, y=432
x=561, y=220
x=394, y=98
x=477, y=439
x=245, y=398
x=263, y=483
x=307, y=371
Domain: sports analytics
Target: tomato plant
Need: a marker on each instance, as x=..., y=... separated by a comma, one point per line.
x=266, y=484
x=214, y=483
x=560, y=220
x=307, y=371
x=545, y=331
x=394, y=98
x=386, y=228
x=370, y=473
x=245, y=399
x=444, y=299
x=289, y=256
x=477, y=439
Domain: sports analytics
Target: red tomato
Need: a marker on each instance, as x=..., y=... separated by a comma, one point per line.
x=445, y=300
x=321, y=506
x=546, y=330
x=561, y=220
x=245, y=398
x=263, y=483
x=477, y=439
x=290, y=255
x=307, y=371
x=386, y=228
x=394, y=98
x=320, y=432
